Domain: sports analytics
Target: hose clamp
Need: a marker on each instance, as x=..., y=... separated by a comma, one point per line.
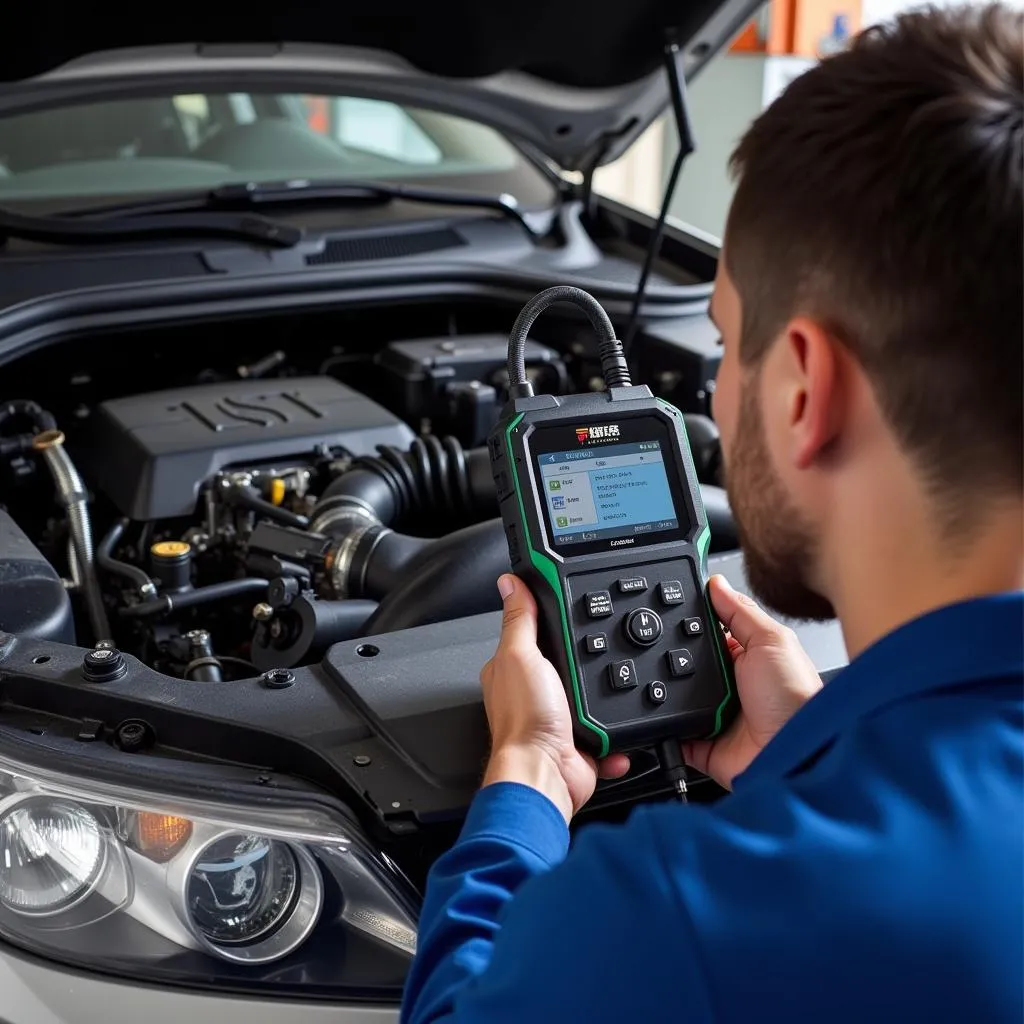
x=349, y=514
x=339, y=561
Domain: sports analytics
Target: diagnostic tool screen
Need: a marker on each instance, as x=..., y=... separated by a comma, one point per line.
x=608, y=491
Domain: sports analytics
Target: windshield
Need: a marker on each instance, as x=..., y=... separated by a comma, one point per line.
x=197, y=141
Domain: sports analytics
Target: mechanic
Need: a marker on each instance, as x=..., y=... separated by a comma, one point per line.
x=867, y=863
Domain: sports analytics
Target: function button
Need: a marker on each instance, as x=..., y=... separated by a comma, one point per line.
x=681, y=663
x=597, y=643
x=623, y=675
x=671, y=592
x=599, y=604
x=657, y=692
x=643, y=627
x=693, y=627
x=632, y=585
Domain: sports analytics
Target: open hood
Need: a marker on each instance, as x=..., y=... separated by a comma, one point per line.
x=578, y=80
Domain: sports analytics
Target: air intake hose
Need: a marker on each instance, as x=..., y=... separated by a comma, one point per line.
x=434, y=487
x=436, y=479
x=447, y=579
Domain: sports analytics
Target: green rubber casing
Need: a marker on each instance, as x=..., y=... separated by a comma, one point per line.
x=689, y=661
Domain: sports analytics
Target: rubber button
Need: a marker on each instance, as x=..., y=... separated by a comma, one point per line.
x=657, y=692
x=671, y=592
x=598, y=604
x=681, y=662
x=643, y=627
x=632, y=585
x=623, y=675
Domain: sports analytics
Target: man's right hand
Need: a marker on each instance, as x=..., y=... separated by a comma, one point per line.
x=774, y=676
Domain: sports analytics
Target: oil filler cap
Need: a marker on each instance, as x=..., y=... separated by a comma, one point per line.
x=103, y=665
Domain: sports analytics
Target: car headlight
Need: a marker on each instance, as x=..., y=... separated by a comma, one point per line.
x=126, y=881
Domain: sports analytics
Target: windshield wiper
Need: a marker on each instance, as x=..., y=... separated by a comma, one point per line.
x=73, y=230
x=252, y=195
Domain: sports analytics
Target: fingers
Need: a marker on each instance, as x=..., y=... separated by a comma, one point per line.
x=741, y=615
x=697, y=754
x=613, y=767
x=519, y=621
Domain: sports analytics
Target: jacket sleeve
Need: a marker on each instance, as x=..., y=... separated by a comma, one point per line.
x=512, y=930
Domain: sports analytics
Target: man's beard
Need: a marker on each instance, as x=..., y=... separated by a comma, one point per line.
x=778, y=545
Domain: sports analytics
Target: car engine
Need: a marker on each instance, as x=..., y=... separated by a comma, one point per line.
x=246, y=519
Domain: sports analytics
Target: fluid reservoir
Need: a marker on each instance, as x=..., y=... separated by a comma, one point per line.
x=171, y=565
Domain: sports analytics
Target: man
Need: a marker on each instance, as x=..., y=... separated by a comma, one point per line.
x=867, y=864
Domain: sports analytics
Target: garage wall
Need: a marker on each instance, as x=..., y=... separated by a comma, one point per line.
x=728, y=94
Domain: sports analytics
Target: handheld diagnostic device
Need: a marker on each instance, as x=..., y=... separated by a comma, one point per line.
x=602, y=511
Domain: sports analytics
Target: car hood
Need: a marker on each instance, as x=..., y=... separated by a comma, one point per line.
x=577, y=80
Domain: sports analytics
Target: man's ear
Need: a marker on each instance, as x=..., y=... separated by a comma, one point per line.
x=816, y=396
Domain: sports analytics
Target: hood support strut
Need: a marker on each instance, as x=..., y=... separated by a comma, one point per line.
x=687, y=144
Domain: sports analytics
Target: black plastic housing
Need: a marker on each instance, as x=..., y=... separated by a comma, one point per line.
x=151, y=453
x=608, y=718
x=33, y=601
x=691, y=346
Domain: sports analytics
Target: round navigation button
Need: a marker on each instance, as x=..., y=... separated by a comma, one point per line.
x=643, y=627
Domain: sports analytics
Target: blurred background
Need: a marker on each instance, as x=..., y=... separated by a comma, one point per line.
x=785, y=39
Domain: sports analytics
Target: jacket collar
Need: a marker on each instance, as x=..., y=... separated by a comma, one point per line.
x=970, y=642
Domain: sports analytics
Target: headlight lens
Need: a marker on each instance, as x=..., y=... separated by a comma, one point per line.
x=51, y=854
x=252, y=899
x=118, y=880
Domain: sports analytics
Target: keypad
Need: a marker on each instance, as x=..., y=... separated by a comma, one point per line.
x=652, y=656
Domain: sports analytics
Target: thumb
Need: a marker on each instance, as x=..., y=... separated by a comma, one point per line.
x=742, y=615
x=519, y=621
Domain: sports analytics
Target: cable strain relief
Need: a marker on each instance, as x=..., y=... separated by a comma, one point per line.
x=614, y=368
x=520, y=390
x=670, y=757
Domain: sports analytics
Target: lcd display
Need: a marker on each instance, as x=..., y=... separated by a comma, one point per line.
x=608, y=495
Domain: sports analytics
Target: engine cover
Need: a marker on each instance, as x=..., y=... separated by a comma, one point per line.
x=151, y=453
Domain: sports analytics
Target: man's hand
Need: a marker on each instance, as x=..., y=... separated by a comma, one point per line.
x=774, y=676
x=531, y=727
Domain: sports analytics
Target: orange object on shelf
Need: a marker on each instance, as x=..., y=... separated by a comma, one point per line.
x=800, y=28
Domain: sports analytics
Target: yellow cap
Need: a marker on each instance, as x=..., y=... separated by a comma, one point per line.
x=277, y=491
x=170, y=549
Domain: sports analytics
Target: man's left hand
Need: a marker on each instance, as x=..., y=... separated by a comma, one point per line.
x=531, y=725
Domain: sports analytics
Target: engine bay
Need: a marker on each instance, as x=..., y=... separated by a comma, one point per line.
x=247, y=589
x=277, y=494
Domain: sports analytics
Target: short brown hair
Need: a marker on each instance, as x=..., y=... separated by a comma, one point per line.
x=882, y=194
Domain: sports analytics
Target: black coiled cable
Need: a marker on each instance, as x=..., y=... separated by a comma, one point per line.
x=609, y=349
